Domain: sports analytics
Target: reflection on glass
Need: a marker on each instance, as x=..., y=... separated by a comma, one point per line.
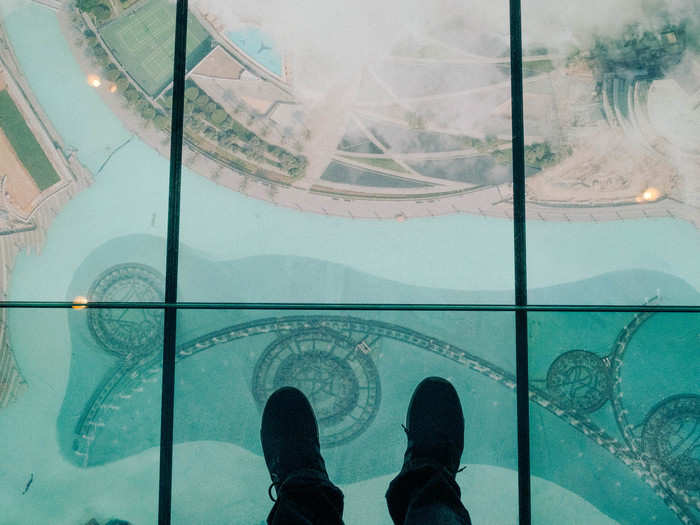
x=612, y=127
x=615, y=414
x=359, y=371
x=77, y=112
x=389, y=116
x=393, y=113
x=80, y=404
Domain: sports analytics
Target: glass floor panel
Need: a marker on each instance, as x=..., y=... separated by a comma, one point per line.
x=84, y=149
x=613, y=410
x=615, y=414
x=612, y=128
x=63, y=425
x=342, y=162
x=359, y=371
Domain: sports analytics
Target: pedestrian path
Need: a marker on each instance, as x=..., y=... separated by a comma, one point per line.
x=51, y=4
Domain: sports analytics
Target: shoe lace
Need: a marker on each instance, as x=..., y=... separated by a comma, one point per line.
x=409, y=436
x=269, y=491
x=276, y=484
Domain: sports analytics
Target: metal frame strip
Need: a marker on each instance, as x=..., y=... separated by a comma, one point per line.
x=171, y=268
x=520, y=263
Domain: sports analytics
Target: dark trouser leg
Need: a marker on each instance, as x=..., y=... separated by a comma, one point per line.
x=426, y=495
x=303, y=500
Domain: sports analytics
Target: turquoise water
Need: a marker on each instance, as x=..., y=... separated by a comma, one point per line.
x=456, y=253
x=258, y=46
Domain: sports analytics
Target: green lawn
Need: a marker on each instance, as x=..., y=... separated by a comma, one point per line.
x=23, y=141
x=144, y=40
x=385, y=163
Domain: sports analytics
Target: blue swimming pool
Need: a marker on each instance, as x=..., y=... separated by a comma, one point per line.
x=258, y=46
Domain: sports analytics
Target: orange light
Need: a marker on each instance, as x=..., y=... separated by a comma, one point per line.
x=94, y=81
x=113, y=88
x=400, y=217
x=79, y=302
x=651, y=194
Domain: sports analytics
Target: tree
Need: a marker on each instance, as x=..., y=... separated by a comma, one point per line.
x=503, y=156
x=112, y=74
x=161, y=121
x=104, y=60
x=98, y=50
x=131, y=95
x=148, y=112
x=226, y=138
x=191, y=93
x=141, y=103
x=210, y=107
x=101, y=13
x=122, y=83
x=539, y=154
x=218, y=117
x=87, y=5
x=255, y=149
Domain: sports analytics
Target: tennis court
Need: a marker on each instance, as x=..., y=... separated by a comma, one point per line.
x=143, y=41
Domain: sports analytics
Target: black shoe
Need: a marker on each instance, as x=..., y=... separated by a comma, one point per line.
x=289, y=436
x=434, y=426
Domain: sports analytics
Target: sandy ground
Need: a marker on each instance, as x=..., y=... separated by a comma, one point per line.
x=20, y=187
x=219, y=65
x=606, y=169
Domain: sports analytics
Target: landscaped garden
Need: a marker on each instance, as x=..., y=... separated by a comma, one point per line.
x=25, y=144
x=141, y=41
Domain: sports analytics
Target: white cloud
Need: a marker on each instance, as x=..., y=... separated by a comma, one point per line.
x=335, y=39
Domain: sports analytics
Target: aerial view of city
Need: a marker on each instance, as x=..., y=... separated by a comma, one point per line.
x=348, y=153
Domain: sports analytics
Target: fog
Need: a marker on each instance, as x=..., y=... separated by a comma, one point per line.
x=563, y=24
x=341, y=37
x=339, y=55
x=332, y=43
